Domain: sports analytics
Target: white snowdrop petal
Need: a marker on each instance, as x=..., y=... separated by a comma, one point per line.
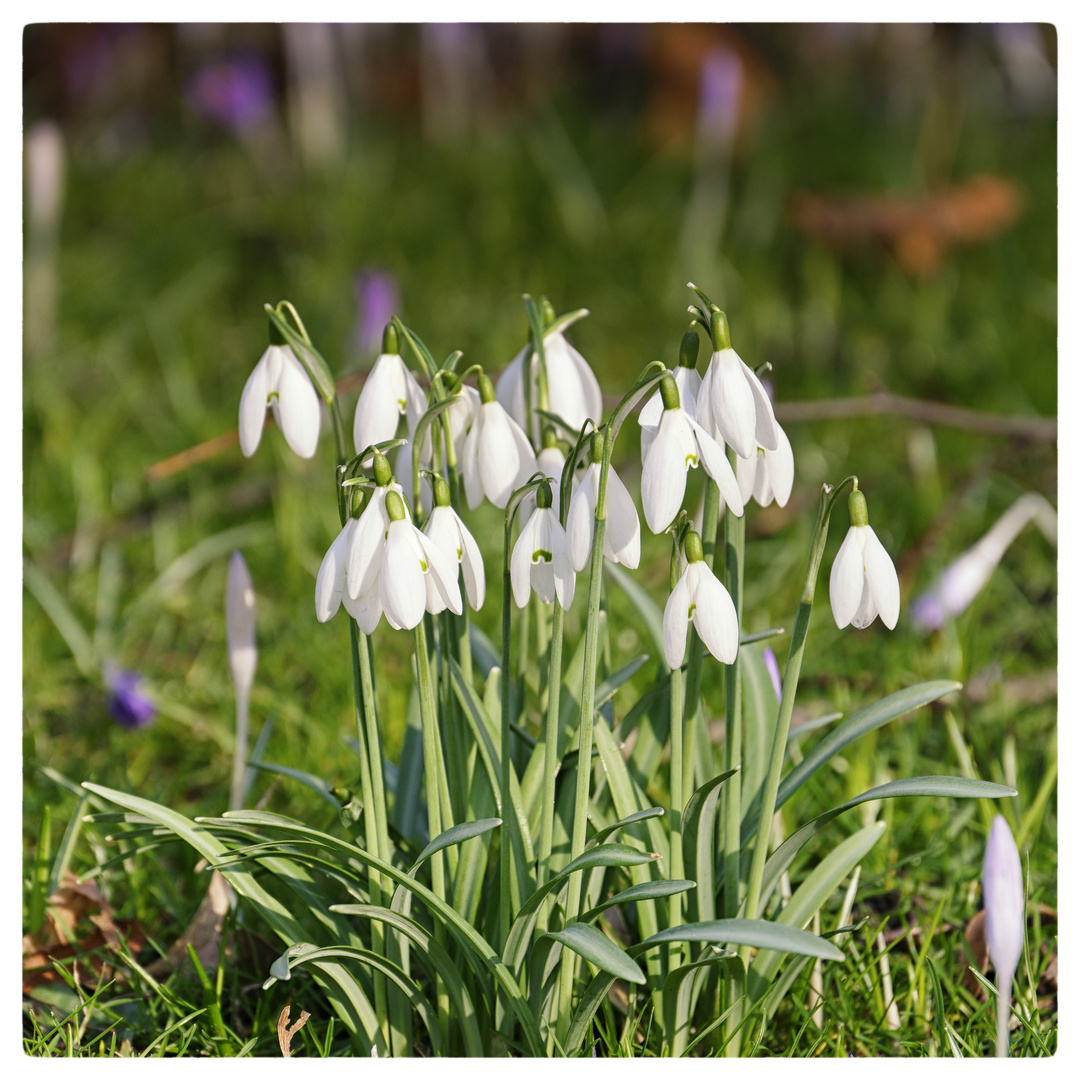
x=565, y=579
x=497, y=454
x=881, y=578
x=847, y=579
x=380, y=402
x=733, y=407
x=622, y=535
x=714, y=614
x=592, y=401
x=510, y=388
x=781, y=462
x=365, y=545
x=442, y=570
x=716, y=464
x=366, y=608
x=253, y=406
x=297, y=407
x=663, y=478
x=470, y=468
x=401, y=579
x=746, y=473
x=521, y=562
x=765, y=425
x=331, y=577
x=472, y=567
x=651, y=411
x=676, y=618
x=580, y=519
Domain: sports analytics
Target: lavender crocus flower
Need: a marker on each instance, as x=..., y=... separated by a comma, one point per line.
x=236, y=92
x=377, y=300
x=129, y=708
x=1003, y=897
x=721, y=96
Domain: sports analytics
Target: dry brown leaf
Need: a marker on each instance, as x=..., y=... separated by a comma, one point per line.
x=286, y=1033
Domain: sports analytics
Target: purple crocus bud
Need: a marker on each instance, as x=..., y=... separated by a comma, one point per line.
x=1003, y=897
x=129, y=708
x=236, y=92
x=773, y=669
x=377, y=299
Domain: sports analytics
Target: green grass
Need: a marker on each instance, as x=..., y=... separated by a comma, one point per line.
x=166, y=258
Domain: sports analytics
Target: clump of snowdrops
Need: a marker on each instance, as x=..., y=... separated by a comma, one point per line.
x=497, y=912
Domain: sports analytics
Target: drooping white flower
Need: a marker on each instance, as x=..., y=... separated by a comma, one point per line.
x=330, y=581
x=240, y=624
x=497, y=458
x=674, y=446
x=964, y=578
x=767, y=474
x=463, y=413
x=733, y=404
x=412, y=568
x=1003, y=900
x=622, y=531
x=573, y=392
x=550, y=462
x=390, y=391
x=448, y=533
x=280, y=382
x=541, y=557
x=700, y=598
x=863, y=583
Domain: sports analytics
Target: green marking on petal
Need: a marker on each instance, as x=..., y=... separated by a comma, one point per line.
x=459, y=554
x=541, y=554
x=690, y=613
x=691, y=461
x=401, y=404
x=423, y=566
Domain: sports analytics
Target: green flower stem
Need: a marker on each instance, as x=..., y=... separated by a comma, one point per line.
x=678, y=801
x=551, y=747
x=429, y=725
x=1004, y=995
x=829, y=496
x=454, y=742
x=734, y=545
x=506, y=847
x=240, y=753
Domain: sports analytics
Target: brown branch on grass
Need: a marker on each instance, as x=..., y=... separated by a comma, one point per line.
x=286, y=1033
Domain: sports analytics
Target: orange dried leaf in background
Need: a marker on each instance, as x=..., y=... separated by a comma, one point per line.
x=917, y=229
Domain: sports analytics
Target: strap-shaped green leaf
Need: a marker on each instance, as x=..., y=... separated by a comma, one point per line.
x=679, y=991
x=859, y=723
x=699, y=844
x=754, y=932
x=640, y=815
x=456, y=834
x=953, y=787
x=647, y=890
x=818, y=886
x=600, y=950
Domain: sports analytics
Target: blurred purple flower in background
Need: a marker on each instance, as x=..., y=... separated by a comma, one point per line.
x=773, y=669
x=236, y=91
x=377, y=299
x=721, y=96
x=129, y=708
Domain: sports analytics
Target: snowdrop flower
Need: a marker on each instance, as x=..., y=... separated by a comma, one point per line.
x=686, y=379
x=863, y=583
x=541, y=557
x=731, y=401
x=675, y=445
x=550, y=462
x=448, y=533
x=700, y=597
x=573, y=392
x=463, y=413
x=1003, y=898
x=622, y=533
x=350, y=558
x=964, y=578
x=280, y=382
x=497, y=457
x=767, y=475
x=390, y=391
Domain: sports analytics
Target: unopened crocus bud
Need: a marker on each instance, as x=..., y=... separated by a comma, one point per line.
x=240, y=623
x=1003, y=897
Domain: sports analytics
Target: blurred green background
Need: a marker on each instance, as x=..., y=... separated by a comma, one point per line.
x=873, y=206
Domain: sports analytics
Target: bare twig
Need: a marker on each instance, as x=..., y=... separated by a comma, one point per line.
x=285, y=1033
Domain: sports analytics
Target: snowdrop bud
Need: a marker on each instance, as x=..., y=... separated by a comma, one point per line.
x=688, y=349
x=597, y=448
x=1003, y=897
x=442, y=491
x=719, y=331
x=543, y=496
x=669, y=392
x=487, y=390
x=692, y=548
x=390, y=340
x=380, y=468
x=240, y=623
x=395, y=508
x=857, y=511
x=547, y=311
